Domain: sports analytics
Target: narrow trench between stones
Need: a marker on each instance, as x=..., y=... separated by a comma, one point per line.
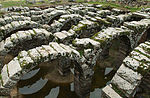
x=68, y=25
x=55, y=18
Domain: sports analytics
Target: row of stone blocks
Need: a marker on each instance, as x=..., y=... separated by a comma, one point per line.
x=103, y=36
x=130, y=74
x=106, y=35
x=26, y=60
x=16, y=25
x=22, y=36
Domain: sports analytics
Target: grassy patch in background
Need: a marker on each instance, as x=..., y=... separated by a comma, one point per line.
x=9, y=3
x=115, y=5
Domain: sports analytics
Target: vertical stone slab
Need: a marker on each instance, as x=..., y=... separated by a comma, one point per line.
x=64, y=64
x=82, y=80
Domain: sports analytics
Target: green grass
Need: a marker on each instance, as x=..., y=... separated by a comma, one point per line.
x=12, y=3
x=114, y=5
x=23, y=3
x=9, y=3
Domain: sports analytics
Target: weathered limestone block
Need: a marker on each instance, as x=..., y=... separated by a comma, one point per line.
x=86, y=28
x=104, y=13
x=77, y=10
x=118, y=20
x=60, y=35
x=67, y=48
x=14, y=69
x=64, y=36
x=35, y=8
x=25, y=60
x=34, y=54
x=11, y=73
x=140, y=56
x=52, y=52
x=122, y=86
x=6, y=81
x=28, y=14
x=129, y=75
x=59, y=7
x=131, y=63
x=8, y=28
x=117, y=11
x=144, y=48
x=71, y=19
x=138, y=26
x=108, y=92
x=103, y=21
x=86, y=43
x=58, y=48
x=43, y=34
x=36, y=12
x=36, y=17
x=106, y=35
x=43, y=53
x=2, y=22
x=21, y=35
x=87, y=53
x=92, y=14
x=90, y=18
x=140, y=15
x=98, y=6
x=111, y=18
x=8, y=43
x=54, y=14
x=48, y=10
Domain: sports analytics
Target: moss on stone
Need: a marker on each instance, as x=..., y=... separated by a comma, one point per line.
x=95, y=35
x=74, y=42
x=141, y=68
x=125, y=33
x=142, y=53
x=115, y=88
x=147, y=44
x=23, y=63
x=34, y=31
x=72, y=26
x=7, y=69
x=81, y=28
x=53, y=47
x=0, y=77
x=1, y=80
x=81, y=52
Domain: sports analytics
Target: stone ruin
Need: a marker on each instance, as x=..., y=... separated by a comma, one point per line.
x=80, y=34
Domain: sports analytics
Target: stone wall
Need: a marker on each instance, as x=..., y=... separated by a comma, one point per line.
x=78, y=34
